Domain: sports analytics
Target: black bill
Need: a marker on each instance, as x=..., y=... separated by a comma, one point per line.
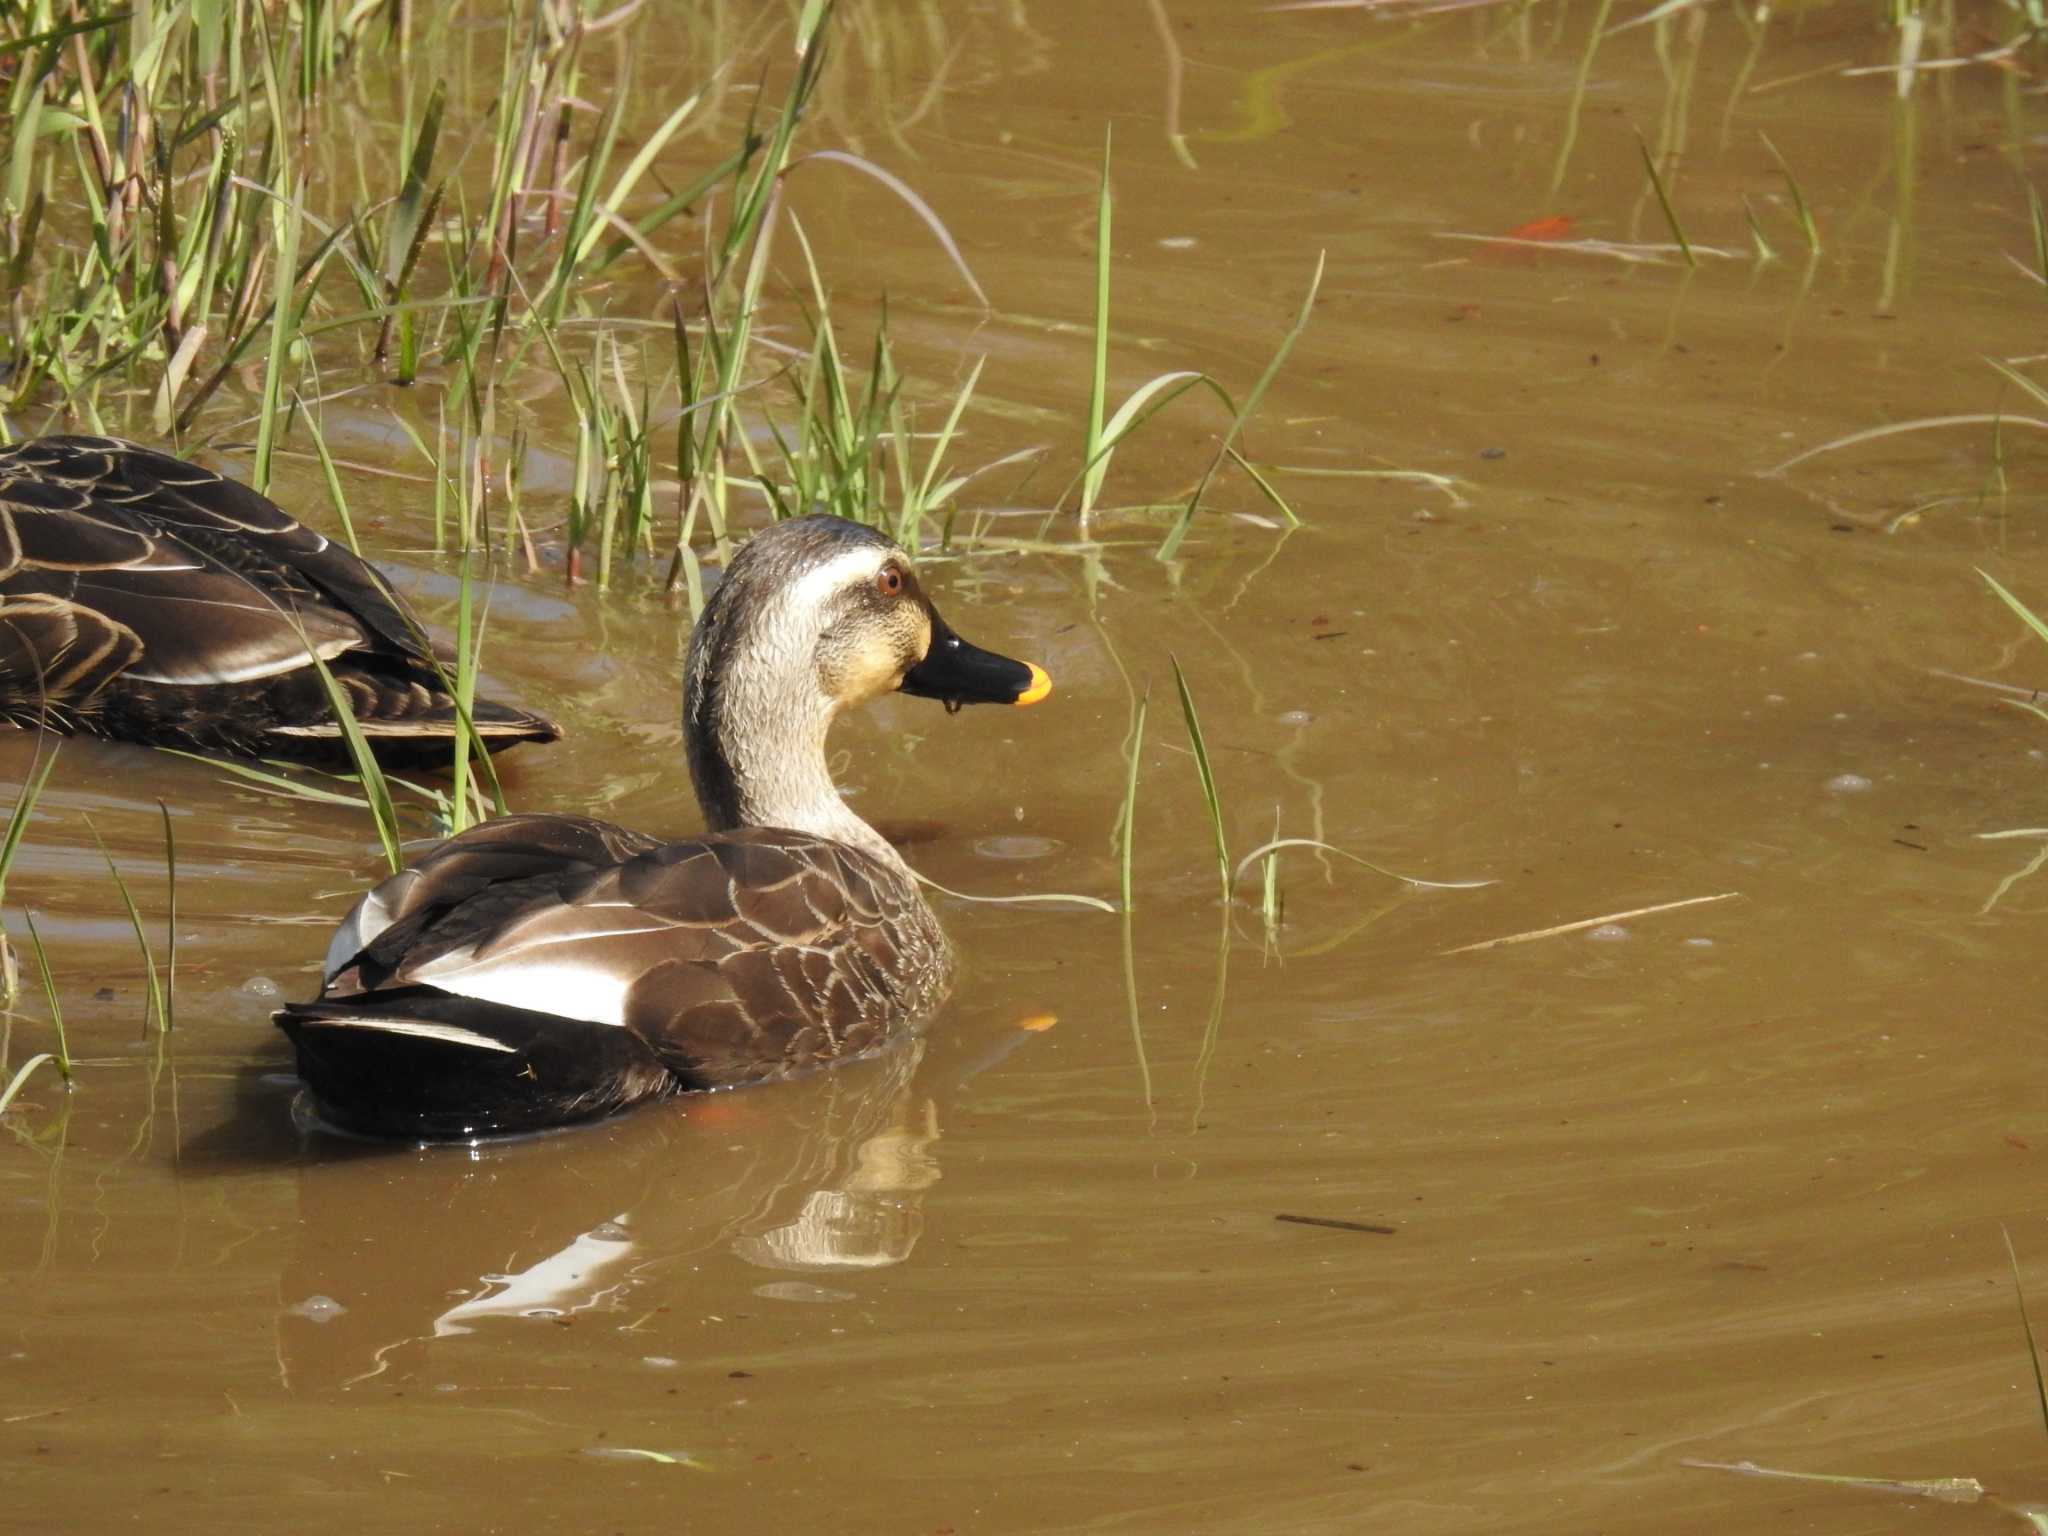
x=956, y=673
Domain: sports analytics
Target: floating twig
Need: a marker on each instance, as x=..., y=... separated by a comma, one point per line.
x=1950, y=1490
x=1336, y=1222
x=1588, y=922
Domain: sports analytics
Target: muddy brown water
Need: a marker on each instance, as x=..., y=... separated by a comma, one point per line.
x=1723, y=1184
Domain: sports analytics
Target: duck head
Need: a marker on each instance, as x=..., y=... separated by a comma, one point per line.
x=816, y=615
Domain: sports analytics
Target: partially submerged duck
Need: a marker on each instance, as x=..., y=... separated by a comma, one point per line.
x=146, y=599
x=544, y=969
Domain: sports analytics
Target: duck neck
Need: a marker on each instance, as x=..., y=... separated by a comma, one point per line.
x=757, y=758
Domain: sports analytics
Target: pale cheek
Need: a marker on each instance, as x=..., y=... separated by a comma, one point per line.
x=869, y=675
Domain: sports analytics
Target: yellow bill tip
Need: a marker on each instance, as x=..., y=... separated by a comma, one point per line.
x=1041, y=684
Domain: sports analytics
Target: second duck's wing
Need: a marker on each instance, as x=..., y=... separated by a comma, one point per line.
x=118, y=562
x=735, y=958
x=211, y=582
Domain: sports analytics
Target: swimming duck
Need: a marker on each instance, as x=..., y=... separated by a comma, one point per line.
x=539, y=970
x=146, y=599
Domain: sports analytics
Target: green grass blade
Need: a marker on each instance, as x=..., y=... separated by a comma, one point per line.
x=1762, y=246
x=1664, y=202
x=24, y=807
x=1098, y=389
x=1208, y=776
x=1170, y=545
x=376, y=792
x=333, y=476
x=1266, y=487
x=286, y=219
x=1799, y=205
x=14, y=1084
x=156, y=994
x=2027, y=1328
x=2038, y=217
x=2018, y=607
x=1127, y=817
x=170, y=1014
x=50, y=993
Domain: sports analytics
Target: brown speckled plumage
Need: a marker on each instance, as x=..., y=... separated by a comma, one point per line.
x=543, y=969
x=147, y=599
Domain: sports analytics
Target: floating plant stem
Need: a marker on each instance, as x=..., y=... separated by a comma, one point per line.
x=1270, y=849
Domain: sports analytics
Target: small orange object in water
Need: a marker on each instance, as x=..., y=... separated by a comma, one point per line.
x=1038, y=1023
x=1515, y=243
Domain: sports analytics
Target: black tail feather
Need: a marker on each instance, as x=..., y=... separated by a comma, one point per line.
x=419, y=1064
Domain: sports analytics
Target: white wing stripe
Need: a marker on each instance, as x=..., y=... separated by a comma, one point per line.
x=419, y=1029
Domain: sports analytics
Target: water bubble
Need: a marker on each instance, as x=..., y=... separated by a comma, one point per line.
x=1017, y=846
x=610, y=1232
x=1699, y=943
x=659, y=1362
x=1608, y=933
x=1848, y=784
x=263, y=987
x=800, y=1290
x=1296, y=717
x=317, y=1309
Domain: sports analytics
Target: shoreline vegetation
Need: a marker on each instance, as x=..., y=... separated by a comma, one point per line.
x=238, y=228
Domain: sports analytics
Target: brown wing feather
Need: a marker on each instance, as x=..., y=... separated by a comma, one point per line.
x=735, y=957
x=53, y=651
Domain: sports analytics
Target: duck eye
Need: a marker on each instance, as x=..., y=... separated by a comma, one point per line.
x=889, y=581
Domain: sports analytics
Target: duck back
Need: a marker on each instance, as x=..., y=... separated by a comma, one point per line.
x=146, y=599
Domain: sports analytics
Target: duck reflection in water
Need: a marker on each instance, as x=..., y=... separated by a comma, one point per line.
x=400, y=1248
